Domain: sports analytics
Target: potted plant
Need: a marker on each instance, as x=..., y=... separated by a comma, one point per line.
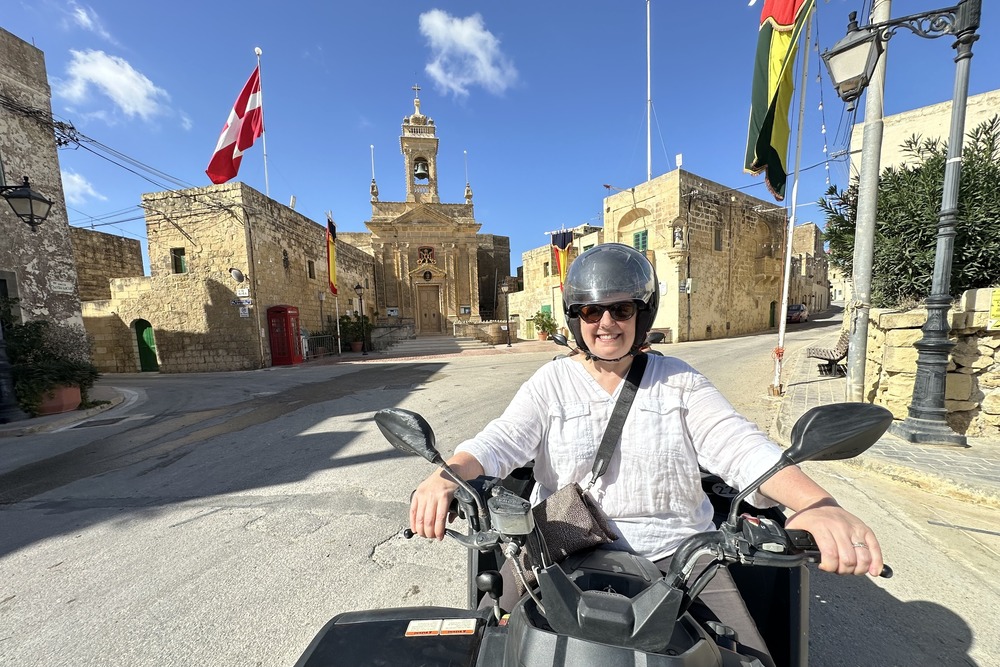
x=50, y=365
x=545, y=324
x=353, y=329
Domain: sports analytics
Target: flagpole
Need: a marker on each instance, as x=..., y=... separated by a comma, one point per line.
x=263, y=132
x=649, y=103
x=776, y=389
x=336, y=302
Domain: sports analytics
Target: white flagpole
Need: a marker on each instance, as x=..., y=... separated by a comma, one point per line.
x=336, y=301
x=263, y=134
x=776, y=389
x=649, y=103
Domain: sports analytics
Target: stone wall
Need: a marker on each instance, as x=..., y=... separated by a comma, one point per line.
x=36, y=266
x=972, y=391
x=101, y=257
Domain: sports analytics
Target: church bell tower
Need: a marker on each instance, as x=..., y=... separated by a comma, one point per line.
x=419, y=146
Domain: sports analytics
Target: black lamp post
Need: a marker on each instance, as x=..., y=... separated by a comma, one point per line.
x=505, y=288
x=851, y=62
x=359, y=290
x=32, y=208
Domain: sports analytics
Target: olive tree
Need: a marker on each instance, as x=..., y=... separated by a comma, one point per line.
x=909, y=200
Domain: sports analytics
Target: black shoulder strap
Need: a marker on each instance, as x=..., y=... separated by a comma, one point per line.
x=614, y=430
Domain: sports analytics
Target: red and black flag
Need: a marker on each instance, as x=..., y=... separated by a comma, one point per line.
x=781, y=23
x=561, y=242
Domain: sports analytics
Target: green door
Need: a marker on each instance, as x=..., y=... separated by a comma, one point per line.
x=147, y=346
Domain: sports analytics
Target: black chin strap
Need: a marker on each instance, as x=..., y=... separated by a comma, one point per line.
x=590, y=356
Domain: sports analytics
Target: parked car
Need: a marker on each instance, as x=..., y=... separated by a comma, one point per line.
x=797, y=312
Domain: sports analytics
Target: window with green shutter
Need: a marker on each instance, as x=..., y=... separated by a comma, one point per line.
x=640, y=240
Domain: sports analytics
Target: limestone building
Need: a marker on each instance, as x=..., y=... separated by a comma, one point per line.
x=431, y=265
x=929, y=122
x=36, y=265
x=192, y=313
x=810, y=280
x=717, y=253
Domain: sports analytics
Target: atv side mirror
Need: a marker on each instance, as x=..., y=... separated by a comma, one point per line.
x=559, y=339
x=837, y=431
x=408, y=432
x=826, y=433
x=655, y=337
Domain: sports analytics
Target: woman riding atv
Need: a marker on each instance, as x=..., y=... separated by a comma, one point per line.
x=652, y=490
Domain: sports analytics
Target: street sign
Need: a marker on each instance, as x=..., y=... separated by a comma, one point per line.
x=242, y=291
x=242, y=302
x=244, y=311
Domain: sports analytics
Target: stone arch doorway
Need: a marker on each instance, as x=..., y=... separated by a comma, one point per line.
x=146, y=342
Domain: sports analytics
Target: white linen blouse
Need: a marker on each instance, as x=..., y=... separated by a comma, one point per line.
x=651, y=490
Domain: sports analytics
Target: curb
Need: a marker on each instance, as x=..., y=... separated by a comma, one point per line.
x=54, y=422
x=916, y=476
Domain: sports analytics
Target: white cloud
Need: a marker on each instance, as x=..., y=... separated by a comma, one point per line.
x=78, y=189
x=130, y=90
x=86, y=18
x=464, y=54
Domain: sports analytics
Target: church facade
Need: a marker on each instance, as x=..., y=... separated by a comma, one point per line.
x=432, y=266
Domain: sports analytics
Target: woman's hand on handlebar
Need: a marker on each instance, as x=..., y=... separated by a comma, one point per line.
x=430, y=503
x=846, y=544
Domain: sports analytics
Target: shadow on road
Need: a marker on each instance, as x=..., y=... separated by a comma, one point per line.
x=238, y=458
x=853, y=621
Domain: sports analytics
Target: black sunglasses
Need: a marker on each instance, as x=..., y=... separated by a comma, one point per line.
x=622, y=311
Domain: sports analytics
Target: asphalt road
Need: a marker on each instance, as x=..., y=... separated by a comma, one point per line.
x=226, y=517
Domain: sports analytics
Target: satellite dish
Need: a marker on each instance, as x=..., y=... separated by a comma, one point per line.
x=237, y=275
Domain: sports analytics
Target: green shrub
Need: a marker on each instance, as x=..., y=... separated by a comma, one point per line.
x=45, y=355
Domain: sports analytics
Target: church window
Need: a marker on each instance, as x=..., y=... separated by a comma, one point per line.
x=545, y=269
x=718, y=237
x=425, y=255
x=311, y=266
x=178, y=261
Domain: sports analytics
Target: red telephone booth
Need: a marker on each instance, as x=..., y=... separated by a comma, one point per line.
x=283, y=330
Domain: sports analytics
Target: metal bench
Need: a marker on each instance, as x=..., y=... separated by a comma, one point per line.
x=832, y=355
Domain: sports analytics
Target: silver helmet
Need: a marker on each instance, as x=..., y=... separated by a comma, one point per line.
x=608, y=273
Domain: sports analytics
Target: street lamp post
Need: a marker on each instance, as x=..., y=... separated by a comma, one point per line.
x=32, y=208
x=505, y=288
x=851, y=62
x=359, y=290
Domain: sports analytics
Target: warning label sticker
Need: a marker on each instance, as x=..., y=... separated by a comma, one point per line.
x=441, y=626
x=458, y=626
x=427, y=628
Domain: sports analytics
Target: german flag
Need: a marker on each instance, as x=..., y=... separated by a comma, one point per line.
x=781, y=23
x=331, y=253
x=561, y=241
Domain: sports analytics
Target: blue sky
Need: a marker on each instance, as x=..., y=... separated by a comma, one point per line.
x=544, y=101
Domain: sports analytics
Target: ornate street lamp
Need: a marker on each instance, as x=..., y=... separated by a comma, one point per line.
x=32, y=208
x=359, y=290
x=851, y=63
x=505, y=288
